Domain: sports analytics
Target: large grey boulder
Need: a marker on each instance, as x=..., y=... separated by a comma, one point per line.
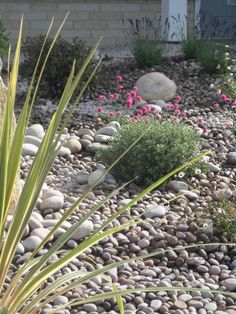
x=156, y=85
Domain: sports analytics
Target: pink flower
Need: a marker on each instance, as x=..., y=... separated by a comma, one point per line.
x=121, y=86
x=145, y=109
x=177, y=112
x=101, y=97
x=216, y=106
x=111, y=96
x=129, y=102
x=128, y=95
x=135, y=89
x=234, y=104
x=135, y=118
x=153, y=109
x=223, y=97
x=111, y=114
x=200, y=120
x=170, y=106
x=100, y=109
x=178, y=98
x=116, y=96
x=229, y=125
x=183, y=115
x=119, y=78
x=133, y=93
x=175, y=119
x=138, y=98
x=140, y=112
x=205, y=131
x=227, y=100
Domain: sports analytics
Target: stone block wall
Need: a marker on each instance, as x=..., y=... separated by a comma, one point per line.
x=88, y=19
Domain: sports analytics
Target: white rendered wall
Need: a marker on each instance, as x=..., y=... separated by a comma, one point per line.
x=175, y=11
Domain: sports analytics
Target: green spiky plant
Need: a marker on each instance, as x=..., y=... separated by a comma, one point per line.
x=23, y=294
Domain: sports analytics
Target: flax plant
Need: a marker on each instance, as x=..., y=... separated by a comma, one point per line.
x=23, y=294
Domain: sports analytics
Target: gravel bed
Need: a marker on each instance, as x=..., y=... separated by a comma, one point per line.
x=165, y=226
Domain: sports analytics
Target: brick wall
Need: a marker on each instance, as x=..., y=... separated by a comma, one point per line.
x=88, y=19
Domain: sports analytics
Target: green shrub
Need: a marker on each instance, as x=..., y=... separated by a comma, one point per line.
x=165, y=146
x=147, y=52
x=211, y=57
x=147, y=39
x=190, y=47
x=59, y=62
x=4, y=41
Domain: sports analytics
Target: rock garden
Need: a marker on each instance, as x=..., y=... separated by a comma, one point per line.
x=161, y=117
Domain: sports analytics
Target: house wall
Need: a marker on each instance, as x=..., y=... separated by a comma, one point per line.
x=88, y=19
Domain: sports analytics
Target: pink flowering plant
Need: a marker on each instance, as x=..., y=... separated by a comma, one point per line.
x=226, y=88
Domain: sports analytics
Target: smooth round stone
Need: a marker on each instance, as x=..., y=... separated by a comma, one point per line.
x=114, y=124
x=229, y=284
x=31, y=243
x=94, y=177
x=73, y=145
x=155, y=211
x=185, y=297
x=20, y=249
x=189, y=194
x=85, y=229
x=93, y=147
x=87, y=137
x=32, y=140
x=47, y=223
x=161, y=103
x=213, y=168
x=29, y=149
x=85, y=142
x=195, y=261
x=107, y=130
x=34, y=223
x=143, y=243
x=100, y=138
x=90, y=307
x=177, y=185
x=156, y=85
x=60, y=300
x=82, y=132
x=40, y=233
x=212, y=306
x=155, y=304
x=47, y=193
x=64, y=151
x=196, y=304
x=37, y=216
x=54, y=202
x=36, y=130
x=180, y=305
x=231, y=158
x=82, y=178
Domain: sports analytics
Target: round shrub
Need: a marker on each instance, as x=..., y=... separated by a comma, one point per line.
x=165, y=146
x=59, y=62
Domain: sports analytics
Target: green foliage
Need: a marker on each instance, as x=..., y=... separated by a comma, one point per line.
x=190, y=47
x=4, y=41
x=147, y=52
x=164, y=146
x=59, y=62
x=211, y=57
x=225, y=219
x=147, y=39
